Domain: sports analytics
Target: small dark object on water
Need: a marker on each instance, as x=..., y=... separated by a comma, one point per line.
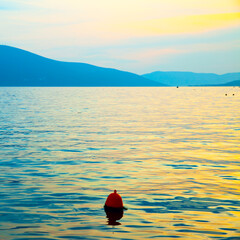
x=225, y=94
x=233, y=94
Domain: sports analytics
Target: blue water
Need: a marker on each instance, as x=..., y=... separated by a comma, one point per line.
x=172, y=153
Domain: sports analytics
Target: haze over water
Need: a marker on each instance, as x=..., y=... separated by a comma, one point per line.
x=172, y=153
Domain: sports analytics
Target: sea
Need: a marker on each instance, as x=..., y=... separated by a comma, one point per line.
x=173, y=154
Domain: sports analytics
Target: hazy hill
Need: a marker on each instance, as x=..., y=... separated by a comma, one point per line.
x=232, y=84
x=22, y=68
x=191, y=79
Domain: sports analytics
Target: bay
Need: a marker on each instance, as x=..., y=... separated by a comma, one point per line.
x=172, y=154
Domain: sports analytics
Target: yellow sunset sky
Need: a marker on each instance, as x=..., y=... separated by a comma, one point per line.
x=133, y=35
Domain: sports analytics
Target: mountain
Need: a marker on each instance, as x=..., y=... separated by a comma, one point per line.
x=232, y=84
x=22, y=68
x=191, y=79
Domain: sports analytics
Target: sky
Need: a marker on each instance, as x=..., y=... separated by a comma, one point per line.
x=139, y=36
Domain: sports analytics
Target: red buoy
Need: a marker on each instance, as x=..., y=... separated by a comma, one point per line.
x=114, y=200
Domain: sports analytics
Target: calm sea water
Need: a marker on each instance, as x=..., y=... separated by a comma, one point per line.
x=172, y=153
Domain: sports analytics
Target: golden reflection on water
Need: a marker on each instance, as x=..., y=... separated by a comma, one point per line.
x=173, y=154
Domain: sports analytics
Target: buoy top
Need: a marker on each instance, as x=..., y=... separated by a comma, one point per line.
x=114, y=200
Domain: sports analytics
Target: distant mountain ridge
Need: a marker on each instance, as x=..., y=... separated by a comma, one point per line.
x=22, y=68
x=232, y=83
x=192, y=79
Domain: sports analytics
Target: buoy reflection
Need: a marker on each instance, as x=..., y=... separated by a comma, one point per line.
x=113, y=215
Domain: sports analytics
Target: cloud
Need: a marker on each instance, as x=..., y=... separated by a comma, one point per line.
x=128, y=34
x=151, y=54
x=7, y=6
x=181, y=25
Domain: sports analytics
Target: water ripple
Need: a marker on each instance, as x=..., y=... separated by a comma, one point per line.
x=172, y=154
